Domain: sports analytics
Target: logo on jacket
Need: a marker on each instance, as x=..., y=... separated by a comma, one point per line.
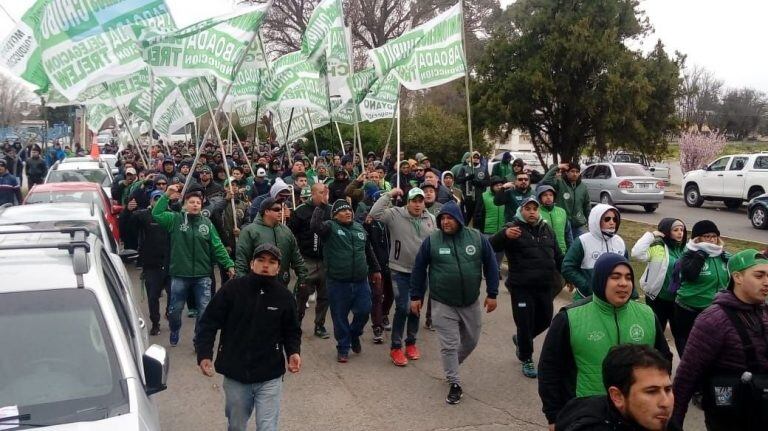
x=636, y=332
x=471, y=250
x=361, y=235
x=596, y=336
x=341, y=232
x=566, y=195
x=596, y=254
x=203, y=229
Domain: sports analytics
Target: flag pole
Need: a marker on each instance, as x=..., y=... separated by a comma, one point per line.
x=466, y=79
x=341, y=140
x=314, y=137
x=392, y=126
x=397, y=111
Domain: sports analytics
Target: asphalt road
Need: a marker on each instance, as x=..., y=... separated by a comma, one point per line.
x=369, y=393
x=732, y=223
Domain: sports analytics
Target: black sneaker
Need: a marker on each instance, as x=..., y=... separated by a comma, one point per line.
x=454, y=394
x=320, y=332
x=155, y=330
x=385, y=324
x=356, y=346
x=517, y=348
x=378, y=335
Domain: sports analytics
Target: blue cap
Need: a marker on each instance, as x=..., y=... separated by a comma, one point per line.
x=155, y=194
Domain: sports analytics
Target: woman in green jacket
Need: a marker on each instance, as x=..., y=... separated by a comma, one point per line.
x=661, y=249
x=703, y=273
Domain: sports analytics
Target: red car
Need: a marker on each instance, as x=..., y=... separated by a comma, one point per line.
x=78, y=192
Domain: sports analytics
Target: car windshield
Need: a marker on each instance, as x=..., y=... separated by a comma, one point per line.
x=98, y=176
x=627, y=158
x=630, y=171
x=65, y=196
x=91, y=225
x=61, y=367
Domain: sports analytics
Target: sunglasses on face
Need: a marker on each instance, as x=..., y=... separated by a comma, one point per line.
x=610, y=218
x=161, y=184
x=276, y=209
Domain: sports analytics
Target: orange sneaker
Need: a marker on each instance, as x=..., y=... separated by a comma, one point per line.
x=412, y=352
x=398, y=358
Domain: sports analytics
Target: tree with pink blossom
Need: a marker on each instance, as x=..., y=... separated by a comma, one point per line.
x=697, y=148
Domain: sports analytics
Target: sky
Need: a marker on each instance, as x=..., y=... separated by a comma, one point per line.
x=723, y=36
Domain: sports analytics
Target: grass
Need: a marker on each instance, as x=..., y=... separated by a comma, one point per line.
x=733, y=147
x=631, y=231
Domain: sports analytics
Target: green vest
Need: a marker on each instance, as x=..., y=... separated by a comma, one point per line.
x=456, y=267
x=713, y=278
x=344, y=252
x=597, y=326
x=494, y=215
x=557, y=219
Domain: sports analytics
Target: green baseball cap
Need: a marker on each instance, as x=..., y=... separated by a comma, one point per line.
x=415, y=192
x=746, y=259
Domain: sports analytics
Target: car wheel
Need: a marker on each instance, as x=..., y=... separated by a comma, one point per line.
x=605, y=198
x=732, y=204
x=693, y=197
x=754, y=193
x=759, y=218
x=650, y=208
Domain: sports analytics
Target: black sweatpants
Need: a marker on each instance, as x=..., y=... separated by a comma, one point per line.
x=156, y=281
x=683, y=318
x=532, y=311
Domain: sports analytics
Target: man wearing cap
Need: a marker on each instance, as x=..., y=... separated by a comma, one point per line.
x=169, y=170
x=534, y=264
x=259, y=334
x=427, y=164
x=430, y=198
x=408, y=227
x=154, y=255
x=268, y=228
x=10, y=192
x=195, y=245
x=512, y=194
x=211, y=189
x=338, y=188
x=405, y=176
x=582, y=333
x=312, y=253
x=348, y=259
x=454, y=259
x=727, y=339
x=572, y=194
x=121, y=190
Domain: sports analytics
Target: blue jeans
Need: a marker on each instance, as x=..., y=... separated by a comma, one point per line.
x=200, y=286
x=345, y=296
x=241, y=398
x=403, y=315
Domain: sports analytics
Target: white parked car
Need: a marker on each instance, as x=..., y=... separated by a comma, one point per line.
x=75, y=353
x=82, y=169
x=732, y=179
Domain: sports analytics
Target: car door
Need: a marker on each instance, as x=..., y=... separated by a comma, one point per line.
x=586, y=178
x=601, y=180
x=733, y=177
x=711, y=182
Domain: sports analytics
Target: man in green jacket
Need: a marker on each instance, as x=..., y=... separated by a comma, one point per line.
x=555, y=217
x=582, y=333
x=572, y=194
x=349, y=260
x=195, y=245
x=512, y=194
x=504, y=169
x=267, y=228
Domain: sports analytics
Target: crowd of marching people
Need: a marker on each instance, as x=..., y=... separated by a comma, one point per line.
x=403, y=244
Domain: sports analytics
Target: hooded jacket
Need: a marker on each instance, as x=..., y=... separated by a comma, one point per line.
x=661, y=255
x=504, y=169
x=587, y=248
x=259, y=328
x=703, y=273
x=714, y=345
x=581, y=335
x=405, y=231
x=10, y=192
x=573, y=197
x=36, y=168
x=511, y=199
x=456, y=264
x=195, y=244
x=258, y=233
x=596, y=413
x=534, y=258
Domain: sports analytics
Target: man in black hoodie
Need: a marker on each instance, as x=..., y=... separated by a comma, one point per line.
x=259, y=330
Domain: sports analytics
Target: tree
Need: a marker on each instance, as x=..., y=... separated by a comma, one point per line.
x=12, y=95
x=562, y=72
x=698, y=148
x=699, y=97
x=741, y=112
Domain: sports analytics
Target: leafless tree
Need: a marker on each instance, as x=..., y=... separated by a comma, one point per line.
x=700, y=97
x=12, y=95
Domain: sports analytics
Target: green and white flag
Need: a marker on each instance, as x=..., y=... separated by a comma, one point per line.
x=118, y=91
x=426, y=56
x=296, y=82
x=20, y=51
x=198, y=96
x=327, y=15
x=141, y=105
x=86, y=43
x=172, y=114
x=97, y=114
x=212, y=47
x=381, y=102
x=252, y=76
x=301, y=124
x=246, y=112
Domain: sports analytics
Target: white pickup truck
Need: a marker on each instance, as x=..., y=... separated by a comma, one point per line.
x=732, y=179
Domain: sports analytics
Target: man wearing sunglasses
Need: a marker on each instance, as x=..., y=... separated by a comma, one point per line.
x=602, y=238
x=512, y=194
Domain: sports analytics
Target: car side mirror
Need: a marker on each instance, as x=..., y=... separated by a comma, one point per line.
x=117, y=209
x=706, y=168
x=155, y=362
x=652, y=169
x=128, y=255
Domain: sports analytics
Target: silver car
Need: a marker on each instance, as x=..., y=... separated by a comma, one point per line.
x=623, y=184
